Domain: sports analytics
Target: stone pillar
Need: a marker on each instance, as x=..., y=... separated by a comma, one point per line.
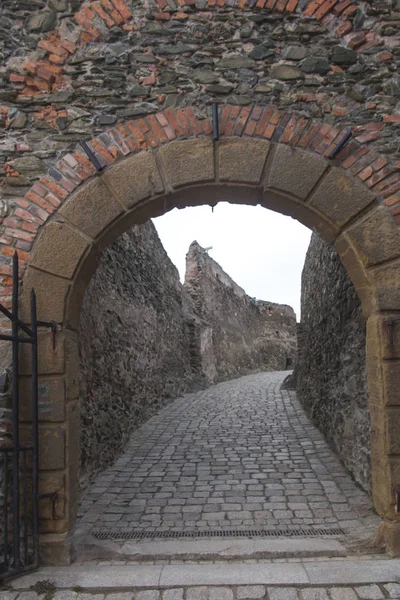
x=59, y=434
x=383, y=367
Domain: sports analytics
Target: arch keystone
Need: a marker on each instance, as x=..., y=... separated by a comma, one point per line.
x=188, y=161
x=92, y=208
x=376, y=236
x=242, y=160
x=134, y=179
x=59, y=250
x=341, y=197
x=295, y=171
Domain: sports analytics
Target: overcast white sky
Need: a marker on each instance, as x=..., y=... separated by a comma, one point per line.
x=261, y=250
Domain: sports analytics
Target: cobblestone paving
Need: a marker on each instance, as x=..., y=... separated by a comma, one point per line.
x=240, y=454
x=249, y=592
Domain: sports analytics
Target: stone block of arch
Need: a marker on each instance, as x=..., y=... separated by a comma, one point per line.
x=242, y=160
x=295, y=171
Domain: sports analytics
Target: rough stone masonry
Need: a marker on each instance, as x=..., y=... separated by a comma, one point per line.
x=331, y=379
x=235, y=334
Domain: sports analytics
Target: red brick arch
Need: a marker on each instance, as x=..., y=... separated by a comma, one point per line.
x=19, y=229
x=152, y=164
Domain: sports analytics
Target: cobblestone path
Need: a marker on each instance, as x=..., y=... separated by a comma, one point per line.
x=241, y=454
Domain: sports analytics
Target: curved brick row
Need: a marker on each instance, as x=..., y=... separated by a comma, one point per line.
x=95, y=18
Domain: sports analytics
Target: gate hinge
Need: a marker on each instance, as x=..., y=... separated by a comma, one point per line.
x=390, y=321
x=53, y=498
x=53, y=326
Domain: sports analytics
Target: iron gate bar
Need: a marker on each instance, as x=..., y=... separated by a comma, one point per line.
x=15, y=413
x=35, y=430
x=13, y=563
x=91, y=155
x=215, y=121
x=25, y=504
x=341, y=144
x=20, y=340
x=5, y=450
x=20, y=323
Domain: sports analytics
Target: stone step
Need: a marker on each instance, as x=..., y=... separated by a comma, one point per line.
x=91, y=577
x=88, y=548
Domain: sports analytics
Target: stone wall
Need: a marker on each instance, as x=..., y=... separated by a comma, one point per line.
x=69, y=70
x=145, y=339
x=331, y=371
x=236, y=334
x=134, y=345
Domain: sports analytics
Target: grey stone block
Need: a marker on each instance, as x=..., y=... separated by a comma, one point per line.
x=315, y=594
x=220, y=593
x=282, y=594
x=343, y=594
x=369, y=592
x=173, y=594
x=250, y=592
x=197, y=593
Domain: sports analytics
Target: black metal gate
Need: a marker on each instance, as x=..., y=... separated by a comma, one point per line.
x=19, y=550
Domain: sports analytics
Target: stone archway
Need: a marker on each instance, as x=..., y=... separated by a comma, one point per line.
x=90, y=210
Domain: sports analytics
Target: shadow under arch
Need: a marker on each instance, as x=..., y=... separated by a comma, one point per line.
x=294, y=182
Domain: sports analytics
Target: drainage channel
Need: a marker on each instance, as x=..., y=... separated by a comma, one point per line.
x=215, y=533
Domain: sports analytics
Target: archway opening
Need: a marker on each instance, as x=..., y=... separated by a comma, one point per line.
x=149, y=184
x=223, y=459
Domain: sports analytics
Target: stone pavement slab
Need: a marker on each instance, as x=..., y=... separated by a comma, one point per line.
x=393, y=589
x=121, y=578
x=234, y=574
x=283, y=594
x=369, y=592
x=212, y=549
x=250, y=592
x=95, y=577
x=366, y=571
x=280, y=581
